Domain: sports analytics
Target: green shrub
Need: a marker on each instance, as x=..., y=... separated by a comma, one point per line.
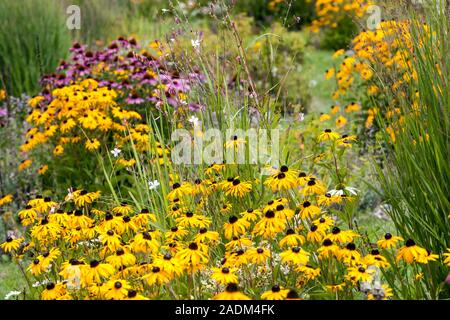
x=296, y=13
x=33, y=38
x=339, y=37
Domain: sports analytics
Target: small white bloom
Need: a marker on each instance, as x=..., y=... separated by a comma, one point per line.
x=194, y=120
x=301, y=117
x=312, y=83
x=12, y=294
x=115, y=152
x=335, y=192
x=153, y=184
x=196, y=43
x=69, y=194
x=352, y=190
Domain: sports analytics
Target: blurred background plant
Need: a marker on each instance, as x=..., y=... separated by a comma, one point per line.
x=416, y=173
x=33, y=38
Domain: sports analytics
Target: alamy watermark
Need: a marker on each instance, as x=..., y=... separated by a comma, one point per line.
x=73, y=21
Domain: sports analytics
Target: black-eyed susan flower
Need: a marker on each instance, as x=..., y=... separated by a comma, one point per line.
x=78, y=219
x=144, y=243
x=45, y=205
x=6, y=199
x=83, y=197
x=346, y=141
x=335, y=287
x=231, y=293
x=48, y=257
x=235, y=227
x=315, y=234
x=116, y=289
x=240, y=242
x=291, y=239
x=157, y=276
x=179, y=191
x=36, y=267
x=361, y=273
x=134, y=295
x=341, y=236
x=295, y=255
x=206, y=236
x=194, y=254
x=58, y=150
x=284, y=179
x=235, y=143
x=190, y=219
x=92, y=144
x=411, y=252
x=214, y=168
x=238, y=188
x=258, y=255
x=327, y=199
x=328, y=135
x=427, y=258
x=374, y=258
x=308, y=210
x=46, y=231
x=96, y=271
x=53, y=291
x=169, y=264
x=251, y=215
x=176, y=233
x=313, y=186
x=269, y=225
x=447, y=258
x=327, y=249
x=303, y=178
x=340, y=122
x=111, y=240
x=124, y=209
x=226, y=208
x=349, y=254
x=121, y=258
x=389, y=241
x=282, y=212
x=11, y=244
x=324, y=117
x=308, y=272
x=329, y=73
x=276, y=293
x=324, y=223
x=224, y=275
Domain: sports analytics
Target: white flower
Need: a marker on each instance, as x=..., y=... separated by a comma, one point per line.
x=115, y=152
x=70, y=194
x=352, y=190
x=300, y=117
x=38, y=284
x=312, y=83
x=12, y=294
x=196, y=43
x=153, y=184
x=194, y=120
x=335, y=192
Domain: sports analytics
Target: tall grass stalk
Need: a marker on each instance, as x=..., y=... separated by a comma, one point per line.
x=416, y=175
x=33, y=38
